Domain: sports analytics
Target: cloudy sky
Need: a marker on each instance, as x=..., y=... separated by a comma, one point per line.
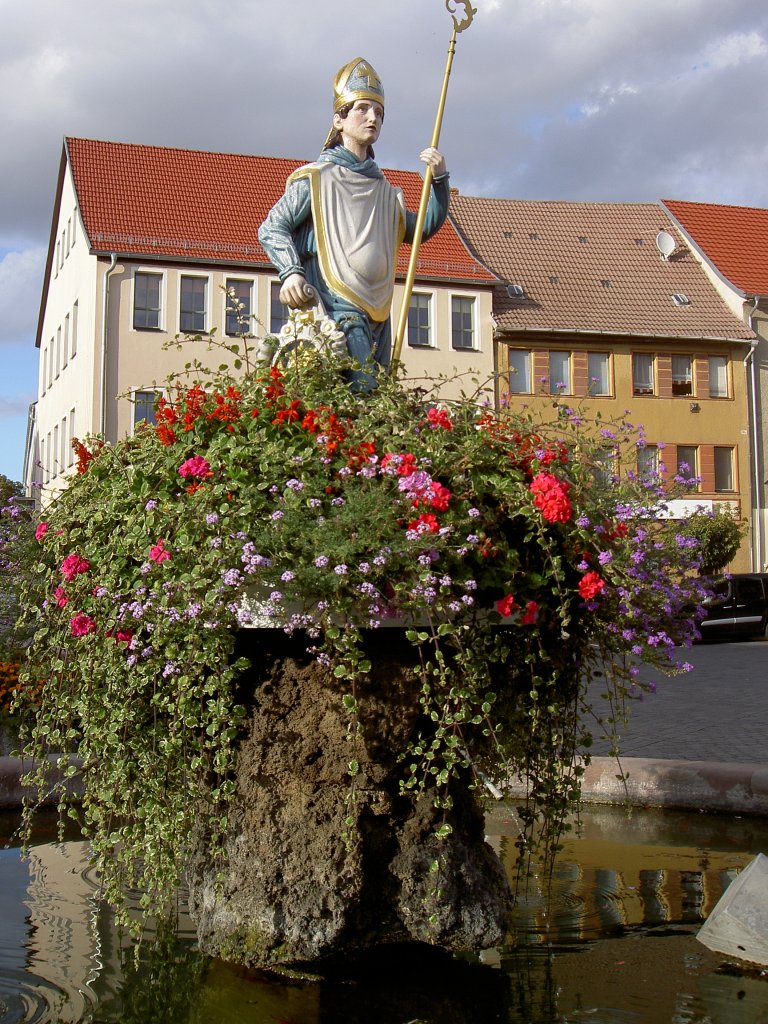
x=606, y=100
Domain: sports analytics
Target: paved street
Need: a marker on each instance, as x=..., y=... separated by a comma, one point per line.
x=717, y=712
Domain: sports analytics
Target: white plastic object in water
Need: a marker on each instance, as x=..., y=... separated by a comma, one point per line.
x=738, y=925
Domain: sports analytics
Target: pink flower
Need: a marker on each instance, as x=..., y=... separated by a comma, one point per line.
x=122, y=635
x=158, y=552
x=40, y=532
x=195, y=466
x=551, y=497
x=62, y=597
x=506, y=605
x=81, y=624
x=590, y=585
x=73, y=565
x=528, y=618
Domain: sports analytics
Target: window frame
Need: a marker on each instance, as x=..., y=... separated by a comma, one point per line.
x=648, y=468
x=471, y=300
x=419, y=327
x=726, y=380
x=692, y=463
x=567, y=388
x=731, y=451
x=245, y=328
x=608, y=393
x=512, y=372
x=157, y=392
x=274, y=302
x=205, y=312
x=687, y=381
x=141, y=272
x=641, y=391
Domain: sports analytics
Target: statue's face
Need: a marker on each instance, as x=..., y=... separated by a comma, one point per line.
x=362, y=125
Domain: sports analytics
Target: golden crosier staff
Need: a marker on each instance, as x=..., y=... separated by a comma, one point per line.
x=458, y=26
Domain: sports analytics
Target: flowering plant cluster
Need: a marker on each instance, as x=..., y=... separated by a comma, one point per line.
x=283, y=499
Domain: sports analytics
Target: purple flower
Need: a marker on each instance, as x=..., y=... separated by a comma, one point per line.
x=232, y=577
x=150, y=505
x=288, y=576
x=276, y=515
x=295, y=485
x=340, y=570
x=212, y=518
x=321, y=561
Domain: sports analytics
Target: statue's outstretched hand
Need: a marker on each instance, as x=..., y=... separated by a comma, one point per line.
x=296, y=293
x=434, y=159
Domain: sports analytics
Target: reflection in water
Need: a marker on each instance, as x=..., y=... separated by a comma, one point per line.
x=609, y=939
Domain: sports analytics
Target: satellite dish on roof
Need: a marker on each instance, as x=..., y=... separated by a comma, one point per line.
x=666, y=244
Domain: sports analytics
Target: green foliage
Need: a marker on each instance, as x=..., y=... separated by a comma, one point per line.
x=286, y=499
x=719, y=535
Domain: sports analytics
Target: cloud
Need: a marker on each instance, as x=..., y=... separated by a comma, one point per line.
x=21, y=275
x=734, y=49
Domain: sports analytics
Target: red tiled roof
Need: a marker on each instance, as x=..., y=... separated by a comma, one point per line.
x=733, y=238
x=156, y=201
x=591, y=267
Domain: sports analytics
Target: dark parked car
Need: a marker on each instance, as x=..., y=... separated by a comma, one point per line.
x=738, y=607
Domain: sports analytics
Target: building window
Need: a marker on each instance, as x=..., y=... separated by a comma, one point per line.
x=724, y=469
x=71, y=452
x=278, y=313
x=146, y=301
x=74, y=226
x=144, y=407
x=419, y=321
x=648, y=463
x=642, y=374
x=718, y=377
x=73, y=336
x=55, y=453
x=58, y=351
x=239, y=306
x=604, y=468
x=63, y=450
x=559, y=373
x=192, y=310
x=65, y=343
x=462, y=322
x=50, y=361
x=44, y=369
x=519, y=372
x=687, y=462
x=682, y=375
x=598, y=371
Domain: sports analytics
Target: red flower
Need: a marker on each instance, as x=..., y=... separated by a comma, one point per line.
x=528, y=618
x=439, y=418
x=41, y=530
x=426, y=523
x=73, y=565
x=551, y=497
x=506, y=605
x=81, y=625
x=289, y=415
x=62, y=597
x=590, y=585
x=84, y=456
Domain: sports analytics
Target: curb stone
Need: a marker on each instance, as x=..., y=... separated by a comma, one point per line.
x=714, y=786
